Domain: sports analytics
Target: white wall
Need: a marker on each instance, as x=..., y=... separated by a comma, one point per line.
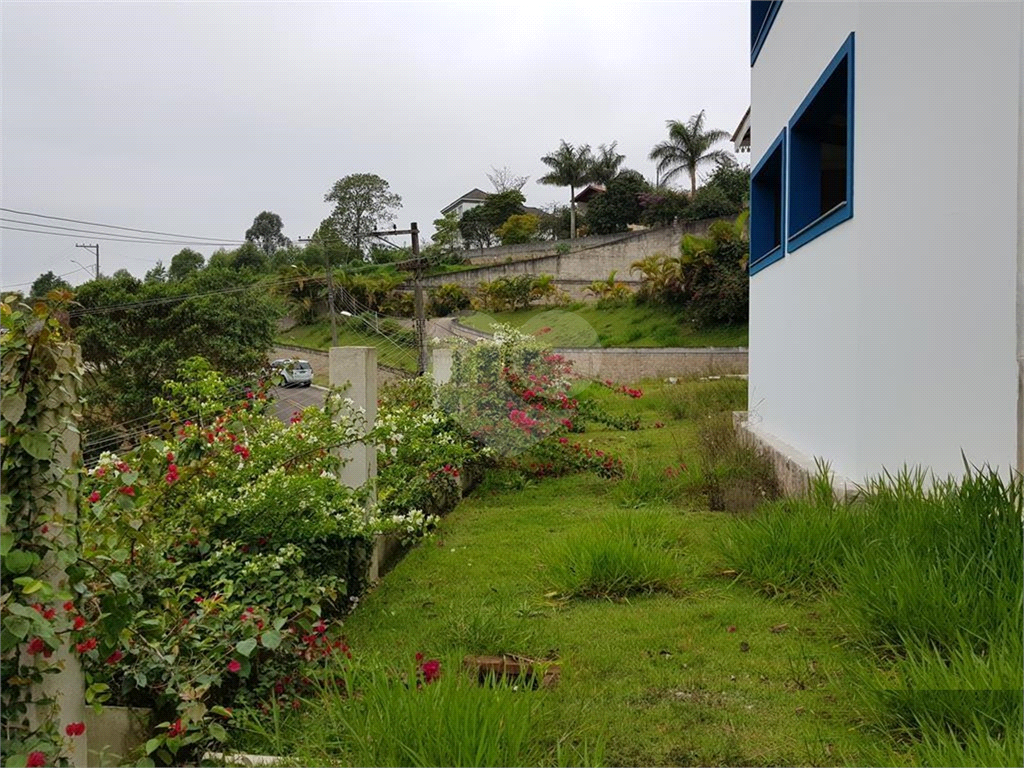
x=890, y=339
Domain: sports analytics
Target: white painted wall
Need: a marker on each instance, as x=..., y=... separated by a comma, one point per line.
x=891, y=338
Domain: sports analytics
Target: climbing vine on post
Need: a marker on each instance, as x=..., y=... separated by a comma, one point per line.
x=39, y=378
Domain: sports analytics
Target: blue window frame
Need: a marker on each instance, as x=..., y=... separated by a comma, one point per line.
x=762, y=15
x=768, y=207
x=820, y=159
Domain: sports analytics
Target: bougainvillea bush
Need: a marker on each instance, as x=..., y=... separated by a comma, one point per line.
x=218, y=557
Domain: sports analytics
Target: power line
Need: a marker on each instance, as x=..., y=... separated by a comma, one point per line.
x=75, y=232
x=113, y=226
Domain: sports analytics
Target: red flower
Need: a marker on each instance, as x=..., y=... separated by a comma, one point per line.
x=49, y=613
x=36, y=646
x=431, y=670
x=176, y=728
x=170, y=457
x=74, y=729
x=732, y=628
x=419, y=657
x=127, y=490
x=94, y=497
x=234, y=666
x=36, y=759
x=79, y=622
x=44, y=530
x=101, y=471
x=69, y=606
x=122, y=467
x=241, y=449
x=87, y=646
x=115, y=657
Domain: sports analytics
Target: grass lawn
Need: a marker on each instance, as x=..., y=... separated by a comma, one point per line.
x=584, y=325
x=708, y=673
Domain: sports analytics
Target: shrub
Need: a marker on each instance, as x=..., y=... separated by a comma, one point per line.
x=447, y=299
x=663, y=207
x=714, y=273
x=711, y=202
x=624, y=555
x=519, y=228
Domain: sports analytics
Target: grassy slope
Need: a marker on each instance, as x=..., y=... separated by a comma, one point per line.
x=318, y=336
x=660, y=677
x=629, y=326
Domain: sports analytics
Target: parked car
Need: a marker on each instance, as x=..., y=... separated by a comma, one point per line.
x=294, y=372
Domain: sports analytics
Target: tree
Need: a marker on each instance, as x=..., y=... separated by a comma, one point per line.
x=619, y=205
x=249, y=256
x=663, y=207
x=570, y=167
x=48, y=282
x=521, y=228
x=689, y=146
x=606, y=164
x=266, y=232
x=446, y=234
x=363, y=203
x=184, y=263
x=480, y=224
x=158, y=274
x=505, y=181
x=475, y=229
x=734, y=182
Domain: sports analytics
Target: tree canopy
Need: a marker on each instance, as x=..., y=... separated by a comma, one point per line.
x=363, y=202
x=619, y=205
x=47, y=282
x=266, y=232
x=570, y=167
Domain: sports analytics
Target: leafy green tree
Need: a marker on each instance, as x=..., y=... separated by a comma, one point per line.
x=570, y=167
x=606, y=164
x=249, y=256
x=662, y=207
x=714, y=273
x=48, y=282
x=447, y=237
x=554, y=223
x=689, y=147
x=266, y=232
x=711, y=202
x=619, y=205
x=521, y=228
x=734, y=182
x=158, y=274
x=363, y=202
x=185, y=263
x=475, y=228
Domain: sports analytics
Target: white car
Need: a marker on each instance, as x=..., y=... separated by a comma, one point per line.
x=294, y=372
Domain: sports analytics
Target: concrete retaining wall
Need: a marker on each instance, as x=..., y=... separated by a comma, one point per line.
x=628, y=365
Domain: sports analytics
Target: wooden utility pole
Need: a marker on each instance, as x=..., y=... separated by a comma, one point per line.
x=417, y=265
x=92, y=246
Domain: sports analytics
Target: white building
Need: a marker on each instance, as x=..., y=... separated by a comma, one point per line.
x=885, y=225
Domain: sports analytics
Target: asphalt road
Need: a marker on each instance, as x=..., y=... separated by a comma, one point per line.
x=287, y=400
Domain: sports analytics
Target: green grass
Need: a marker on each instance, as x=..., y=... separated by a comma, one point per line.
x=392, y=349
x=584, y=325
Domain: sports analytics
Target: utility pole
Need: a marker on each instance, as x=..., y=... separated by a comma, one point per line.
x=330, y=286
x=417, y=264
x=92, y=246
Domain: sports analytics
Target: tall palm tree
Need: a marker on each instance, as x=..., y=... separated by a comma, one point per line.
x=689, y=146
x=606, y=164
x=570, y=167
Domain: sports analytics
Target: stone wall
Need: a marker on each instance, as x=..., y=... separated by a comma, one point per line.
x=628, y=365
x=592, y=258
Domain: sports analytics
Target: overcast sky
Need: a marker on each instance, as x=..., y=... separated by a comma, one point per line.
x=192, y=117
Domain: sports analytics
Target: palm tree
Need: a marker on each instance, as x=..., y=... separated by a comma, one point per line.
x=606, y=164
x=570, y=167
x=688, y=147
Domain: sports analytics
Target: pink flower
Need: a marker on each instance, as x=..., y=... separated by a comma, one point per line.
x=419, y=657
x=101, y=471
x=431, y=670
x=94, y=497
x=74, y=729
x=36, y=759
x=170, y=457
x=115, y=657
x=122, y=467
x=36, y=646
x=234, y=666
x=127, y=490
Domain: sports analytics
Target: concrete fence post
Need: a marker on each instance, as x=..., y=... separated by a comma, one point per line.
x=441, y=365
x=357, y=366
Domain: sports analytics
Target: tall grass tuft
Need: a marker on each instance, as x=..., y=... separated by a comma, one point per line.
x=484, y=629
x=737, y=475
x=931, y=578
x=375, y=716
x=697, y=399
x=625, y=554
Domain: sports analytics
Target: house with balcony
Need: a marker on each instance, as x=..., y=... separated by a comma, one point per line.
x=885, y=234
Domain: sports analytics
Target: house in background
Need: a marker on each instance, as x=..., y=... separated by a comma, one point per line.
x=741, y=137
x=460, y=205
x=885, y=234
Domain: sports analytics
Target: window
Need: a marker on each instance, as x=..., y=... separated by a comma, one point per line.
x=821, y=153
x=767, y=206
x=762, y=14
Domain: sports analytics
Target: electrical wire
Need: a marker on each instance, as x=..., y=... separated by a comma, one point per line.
x=106, y=236
x=114, y=226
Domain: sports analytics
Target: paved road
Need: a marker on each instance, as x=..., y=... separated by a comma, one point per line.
x=287, y=400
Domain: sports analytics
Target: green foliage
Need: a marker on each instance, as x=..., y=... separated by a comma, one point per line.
x=662, y=207
x=609, y=292
x=714, y=273
x=266, y=233
x=733, y=181
x=475, y=228
x=571, y=167
x=626, y=554
x=448, y=298
x=249, y=256
x=697, y=399
x=711, y=202
x=605, y=165
x=619, y=205
x=47, y=282
x=735, y=475
x=519, y=228
x=447, y=239
x=40, y=375
x=363, y=202
x=505, y=293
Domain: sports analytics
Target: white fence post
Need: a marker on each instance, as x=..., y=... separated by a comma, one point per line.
x=442, y=365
